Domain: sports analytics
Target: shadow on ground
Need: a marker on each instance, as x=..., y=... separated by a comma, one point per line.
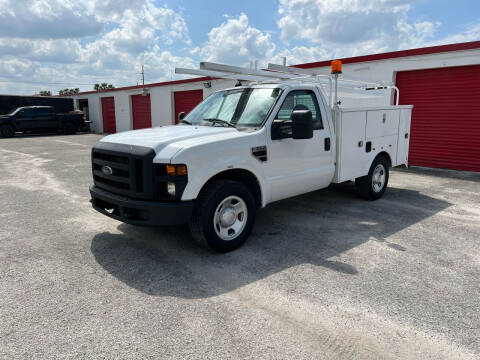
x=312, y=228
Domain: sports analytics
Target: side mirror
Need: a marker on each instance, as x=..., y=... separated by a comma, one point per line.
x=181, y=116
x=302, y=124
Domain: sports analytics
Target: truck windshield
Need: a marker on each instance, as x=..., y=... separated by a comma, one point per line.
x=239, y=107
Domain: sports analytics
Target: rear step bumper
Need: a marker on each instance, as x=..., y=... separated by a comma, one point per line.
x=138, y=212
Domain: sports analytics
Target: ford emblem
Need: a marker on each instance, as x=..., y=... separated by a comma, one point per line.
x=107, y=170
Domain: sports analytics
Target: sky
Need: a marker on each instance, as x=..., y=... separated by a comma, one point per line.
x=57, y=44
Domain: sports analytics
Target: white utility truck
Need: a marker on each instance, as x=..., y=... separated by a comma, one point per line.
x=282, y=135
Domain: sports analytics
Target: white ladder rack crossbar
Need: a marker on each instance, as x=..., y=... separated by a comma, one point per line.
x=245, y=71
x=280, y=73
x=220, y=75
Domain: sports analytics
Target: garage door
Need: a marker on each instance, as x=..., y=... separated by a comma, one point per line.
x=186, y=100
x=142, y=116
x=445, y=130
x=108, y=113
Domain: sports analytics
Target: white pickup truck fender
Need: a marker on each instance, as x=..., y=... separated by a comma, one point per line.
x=226, y=153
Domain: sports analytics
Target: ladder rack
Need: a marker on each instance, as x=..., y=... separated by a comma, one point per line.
x=285, y=74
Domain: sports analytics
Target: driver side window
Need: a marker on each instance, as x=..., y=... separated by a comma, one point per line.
x=296, y=100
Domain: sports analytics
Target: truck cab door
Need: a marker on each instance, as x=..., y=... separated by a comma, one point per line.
x=46, y=118
x=25, y=120
x=297, y=166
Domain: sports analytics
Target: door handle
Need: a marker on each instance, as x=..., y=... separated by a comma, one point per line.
x=327, y=144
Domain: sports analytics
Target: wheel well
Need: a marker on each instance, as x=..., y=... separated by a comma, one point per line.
x=386, y=156
x=243, y=176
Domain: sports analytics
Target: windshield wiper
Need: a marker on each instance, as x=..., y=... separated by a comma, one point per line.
x=219, y=121
x=185, y=122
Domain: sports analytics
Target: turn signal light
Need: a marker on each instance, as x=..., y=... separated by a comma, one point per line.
x=336, y=67
x=176, y=170
x=170, y=170
x=181, y=170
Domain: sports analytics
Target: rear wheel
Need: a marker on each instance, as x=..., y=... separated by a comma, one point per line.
x=224, y=215
x=7, y=131
x=69, y=129
x=373, y=185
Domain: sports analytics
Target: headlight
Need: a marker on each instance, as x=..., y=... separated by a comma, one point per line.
x=171, y=188
x=170, y=181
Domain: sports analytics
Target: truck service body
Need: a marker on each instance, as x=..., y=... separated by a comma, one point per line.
x=286, y=139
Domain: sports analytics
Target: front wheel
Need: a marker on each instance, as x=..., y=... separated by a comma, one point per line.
x=373, y=185
x=7, y=131
x=224, y=215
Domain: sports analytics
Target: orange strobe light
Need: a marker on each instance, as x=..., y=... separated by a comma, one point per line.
x=336, y=66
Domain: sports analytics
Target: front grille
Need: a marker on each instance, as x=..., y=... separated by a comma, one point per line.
x=131, y=169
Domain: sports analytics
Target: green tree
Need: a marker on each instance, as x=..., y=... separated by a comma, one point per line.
x=69, y=91
x=103, y=86
x=45, y=93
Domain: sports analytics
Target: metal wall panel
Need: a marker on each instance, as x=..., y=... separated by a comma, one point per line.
x=141, y=111
x=445, y=129
x=108, y=114
x=185, y=101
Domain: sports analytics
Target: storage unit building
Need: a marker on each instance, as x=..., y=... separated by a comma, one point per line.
x=442, y=82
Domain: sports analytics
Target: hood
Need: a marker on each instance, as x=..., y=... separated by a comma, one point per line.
x=168, y=140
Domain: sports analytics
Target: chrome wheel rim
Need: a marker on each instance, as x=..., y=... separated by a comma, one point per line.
x=230, y=217
x=378, y=178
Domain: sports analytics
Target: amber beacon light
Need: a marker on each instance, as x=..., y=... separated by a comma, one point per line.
x=336, y=67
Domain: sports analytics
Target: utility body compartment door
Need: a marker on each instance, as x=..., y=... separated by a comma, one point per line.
x=298, y=166
x=363, y=133
x=351, y=144
x=403, y=137
x=381, y=123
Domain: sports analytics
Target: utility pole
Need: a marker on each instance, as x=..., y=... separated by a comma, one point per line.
x=143, y=76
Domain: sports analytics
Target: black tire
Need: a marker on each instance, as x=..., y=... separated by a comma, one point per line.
x=369, y=189
x=7, y=131
x=69, y=128
x=202, y=222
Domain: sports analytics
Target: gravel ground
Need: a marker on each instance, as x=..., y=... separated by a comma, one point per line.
x=324, y=275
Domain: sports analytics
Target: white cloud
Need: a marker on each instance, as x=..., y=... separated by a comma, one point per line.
x=236, y=42
x=353, y=27
x=471, y=33
x=301, y=54
x=47, y=19
x=53, y=44
x=50, y=41
x=58, y=51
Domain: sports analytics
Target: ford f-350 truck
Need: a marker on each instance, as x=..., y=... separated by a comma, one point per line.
x=241, y=149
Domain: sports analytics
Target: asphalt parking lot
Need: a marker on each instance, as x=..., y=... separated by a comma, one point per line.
x=324, y=275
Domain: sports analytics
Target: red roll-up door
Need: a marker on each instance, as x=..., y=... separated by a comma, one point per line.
x=108, y=113
x=186, y=100
x=142, y=116
x=445, y=128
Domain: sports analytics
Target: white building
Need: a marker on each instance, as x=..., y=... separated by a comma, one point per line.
x=442, y=82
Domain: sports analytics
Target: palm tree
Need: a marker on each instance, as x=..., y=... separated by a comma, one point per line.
x=103, y=86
